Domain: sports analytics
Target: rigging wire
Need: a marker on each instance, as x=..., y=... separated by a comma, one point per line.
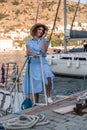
x=55, y=18
x=75, y=14
x=74, y=18
x=38, y=3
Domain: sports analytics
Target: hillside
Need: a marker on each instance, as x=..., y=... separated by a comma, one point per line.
x=23, y=12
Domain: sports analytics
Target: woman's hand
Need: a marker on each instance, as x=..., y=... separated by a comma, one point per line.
x=44, y=44
x=44, y=35
x=28, y=53
x=34, y=55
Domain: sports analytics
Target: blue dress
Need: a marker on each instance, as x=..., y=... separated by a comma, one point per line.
x=36, y=69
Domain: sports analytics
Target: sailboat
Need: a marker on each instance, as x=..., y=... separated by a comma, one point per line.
x=67, y=63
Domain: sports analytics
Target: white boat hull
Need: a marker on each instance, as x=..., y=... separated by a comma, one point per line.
x=73, y=64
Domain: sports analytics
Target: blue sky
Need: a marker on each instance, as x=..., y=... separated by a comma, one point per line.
x=81, y=1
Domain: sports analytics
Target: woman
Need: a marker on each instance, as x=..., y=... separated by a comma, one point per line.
x=36, y=46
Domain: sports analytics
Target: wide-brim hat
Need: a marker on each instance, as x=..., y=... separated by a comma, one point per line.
x=36, y=26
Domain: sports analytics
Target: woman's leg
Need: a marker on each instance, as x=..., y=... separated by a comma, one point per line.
x=36, y=97
x=48, y=87
x=48, y=91
x=30, y=96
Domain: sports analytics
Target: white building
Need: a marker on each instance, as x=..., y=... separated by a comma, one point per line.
x=75, y=24
x=84, y=26
x=12, y=34
x=60, y=28
x=23, y=35
x=6, y=44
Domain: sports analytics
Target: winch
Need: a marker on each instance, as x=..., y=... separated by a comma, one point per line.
x=81, y=103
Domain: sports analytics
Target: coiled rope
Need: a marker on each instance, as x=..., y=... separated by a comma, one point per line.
x=25, y=121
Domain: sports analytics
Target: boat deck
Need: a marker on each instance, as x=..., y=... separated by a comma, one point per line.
x=57, y=121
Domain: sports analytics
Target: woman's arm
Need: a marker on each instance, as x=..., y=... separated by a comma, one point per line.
x=44, y=43
x=28, y=53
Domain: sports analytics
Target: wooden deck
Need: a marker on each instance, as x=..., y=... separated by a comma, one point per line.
x=37, y=109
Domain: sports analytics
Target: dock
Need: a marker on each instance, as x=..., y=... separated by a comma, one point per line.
x=58, y=120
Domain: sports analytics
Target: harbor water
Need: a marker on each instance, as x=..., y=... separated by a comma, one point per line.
x=69, y=85
x=62, y=85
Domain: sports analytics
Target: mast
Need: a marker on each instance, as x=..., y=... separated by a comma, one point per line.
x=37, y=11
x=65, y=25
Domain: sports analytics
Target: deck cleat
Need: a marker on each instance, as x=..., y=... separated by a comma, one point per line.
x=81, y=103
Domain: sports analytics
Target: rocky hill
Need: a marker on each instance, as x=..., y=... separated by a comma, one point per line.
x=23, y=12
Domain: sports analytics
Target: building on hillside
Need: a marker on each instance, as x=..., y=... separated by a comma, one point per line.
x=50, y=26
x=2, y=34
x=84, y=26
x=12, y=34
x=6, y=44
x=68, y=26
x=61, y=29
x=23, y=35
x=76, y=24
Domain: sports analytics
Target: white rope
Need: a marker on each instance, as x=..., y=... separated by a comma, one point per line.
x=42, y=120
x=25, y=121
x=31, y=80
x=43, y=79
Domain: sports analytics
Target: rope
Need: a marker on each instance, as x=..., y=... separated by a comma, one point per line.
x=19, y=74
x=38, y=1
x=26, y=121
x=55, y=18
x=75, y=14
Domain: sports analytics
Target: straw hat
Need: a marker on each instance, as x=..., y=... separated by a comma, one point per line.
x=32, y=30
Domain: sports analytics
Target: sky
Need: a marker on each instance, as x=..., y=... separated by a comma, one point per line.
x=81, y=1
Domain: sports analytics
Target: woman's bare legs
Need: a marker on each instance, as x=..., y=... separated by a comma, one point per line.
x=48, y=91
x=30, y=96
x=48, y=87
x=36, y=97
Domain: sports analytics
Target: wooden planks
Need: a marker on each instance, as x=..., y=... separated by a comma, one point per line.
x=64, y=110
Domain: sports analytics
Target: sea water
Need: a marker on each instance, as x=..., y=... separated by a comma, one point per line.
x=69, y=85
